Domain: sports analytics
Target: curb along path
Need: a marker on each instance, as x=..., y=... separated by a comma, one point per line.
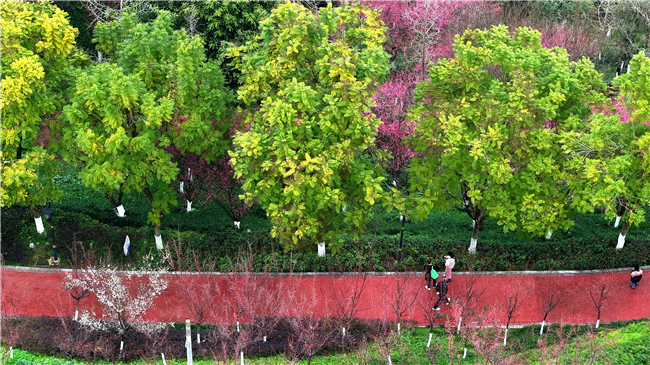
x=36, y=292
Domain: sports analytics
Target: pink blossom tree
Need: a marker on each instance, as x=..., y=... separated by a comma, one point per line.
x=575, y=39
x=393, y=99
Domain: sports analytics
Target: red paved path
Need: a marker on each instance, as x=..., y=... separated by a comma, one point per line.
x=35, y=292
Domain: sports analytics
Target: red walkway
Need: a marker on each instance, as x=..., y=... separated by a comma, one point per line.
x=34, y=292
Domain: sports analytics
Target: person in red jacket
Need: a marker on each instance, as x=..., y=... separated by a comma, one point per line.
x=635, y=276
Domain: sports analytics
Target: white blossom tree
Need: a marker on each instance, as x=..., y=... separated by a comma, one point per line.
x=124, y=296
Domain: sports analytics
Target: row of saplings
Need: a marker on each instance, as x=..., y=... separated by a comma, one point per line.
x=295, y=338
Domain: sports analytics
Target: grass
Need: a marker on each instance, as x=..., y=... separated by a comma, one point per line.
x=615, y=343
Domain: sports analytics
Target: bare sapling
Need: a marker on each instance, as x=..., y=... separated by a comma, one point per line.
x=471, y=291
x=599, y=294
x=309, y=334
x=198, y=288
x=345, y=293
x=552, y=294
x=514, y=299
x=400, y=296
x=73, y=282
x=424, y=304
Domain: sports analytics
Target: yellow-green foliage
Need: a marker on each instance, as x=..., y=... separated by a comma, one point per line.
x=309, y=80
x=490, y=123
x=37, y=42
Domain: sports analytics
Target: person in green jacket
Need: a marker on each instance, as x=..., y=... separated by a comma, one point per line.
x=432, y=277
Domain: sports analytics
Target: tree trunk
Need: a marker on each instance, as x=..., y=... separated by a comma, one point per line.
x=158, y=237
x=621, y=236
x=474, y=241
x=541, y=331
x=38, y=220
x=321, y=249
x=19, y=150
x=117, y=203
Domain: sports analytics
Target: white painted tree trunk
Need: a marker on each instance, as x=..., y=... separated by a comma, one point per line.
x=628, y=68
x=465, y=353
x=618, y=220
x=189, y=206
x=541, y=331
x=242, y=357
x=127, y=245
x=163, y=358
x=264, y=339
x=621, y=241
x=198, y=337
x=390, y=361
x=11, y=352
x=76, y=314
x=321, y=249
x=121, y=346
x=505, y=338
x=99, y=57
x=549, y=234
x=430, y=336
x=472, y=246
x=237, y=224
x=237, y=326
x=181, y=187
x=343, y=332
x=188, y=342
x=39, y=225
x=401, y=218
x=599, y=56
x=473, y=223
x=598, y=323
x=120, y=211
x=159, y=243
x=398, y=328
x=460, y=321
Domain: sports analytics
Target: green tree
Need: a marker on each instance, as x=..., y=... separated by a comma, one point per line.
x=37, y=50
x=610, y=157
x=156, y=90
x=490, y=126
x=309, y=80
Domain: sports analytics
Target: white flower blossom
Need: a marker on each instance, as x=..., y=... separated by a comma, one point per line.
x=124, y=296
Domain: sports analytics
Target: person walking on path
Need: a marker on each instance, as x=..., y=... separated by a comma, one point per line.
x=450, y=262
x=427, y=274
x=441, y=290
x=635, y=276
